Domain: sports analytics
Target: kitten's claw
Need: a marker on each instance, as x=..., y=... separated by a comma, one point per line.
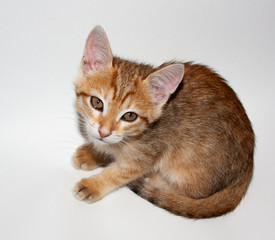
x=84, y=191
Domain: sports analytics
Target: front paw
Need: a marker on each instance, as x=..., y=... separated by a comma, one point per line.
x=86, y=190
x=82, y=159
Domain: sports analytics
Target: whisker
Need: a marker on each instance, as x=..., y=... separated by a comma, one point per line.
x=66, y=141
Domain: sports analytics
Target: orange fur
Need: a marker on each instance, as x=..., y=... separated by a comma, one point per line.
x=190, y=150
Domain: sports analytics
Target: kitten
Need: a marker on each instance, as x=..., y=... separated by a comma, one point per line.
x=177, y=135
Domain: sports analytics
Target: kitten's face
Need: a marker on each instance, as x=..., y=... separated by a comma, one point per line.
x=118, y=98
x=113, y=106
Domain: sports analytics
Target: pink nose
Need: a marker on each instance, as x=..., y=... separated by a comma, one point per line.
x=104, y=133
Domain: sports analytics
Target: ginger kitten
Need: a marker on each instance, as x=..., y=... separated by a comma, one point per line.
x=177, y=135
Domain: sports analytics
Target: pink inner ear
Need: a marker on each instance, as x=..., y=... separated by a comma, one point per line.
x=97, y=65
x=86, y=65
x=158, y=93
x=97, y=53
x=165, y=81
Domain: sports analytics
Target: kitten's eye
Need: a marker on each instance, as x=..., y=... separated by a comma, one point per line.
x=129, y=117
x=97, y=103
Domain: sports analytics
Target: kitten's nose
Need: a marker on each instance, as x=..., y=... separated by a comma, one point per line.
x=104, y=132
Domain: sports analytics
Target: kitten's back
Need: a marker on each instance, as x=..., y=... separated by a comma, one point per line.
x=210, y=142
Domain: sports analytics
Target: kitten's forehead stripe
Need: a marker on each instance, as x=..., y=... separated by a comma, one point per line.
x=114, y=84
x=82, y=94
x=126, y=103
x=127, y=96
x=109, y=96
x=128, y=75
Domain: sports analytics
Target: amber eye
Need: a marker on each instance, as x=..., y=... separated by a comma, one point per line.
x=97, y=103
x=129, y=116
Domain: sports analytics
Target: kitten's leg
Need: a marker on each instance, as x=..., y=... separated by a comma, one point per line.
x=152, y=180
x=148, y=187
x=112, y=177
x=87, y=158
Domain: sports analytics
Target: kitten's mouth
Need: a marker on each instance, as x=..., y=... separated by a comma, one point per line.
x=105, y=141
x=100, y=139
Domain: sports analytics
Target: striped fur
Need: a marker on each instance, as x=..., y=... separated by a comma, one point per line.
x=190, y=151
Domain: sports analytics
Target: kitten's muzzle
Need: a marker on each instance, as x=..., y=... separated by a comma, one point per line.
x=104, y=133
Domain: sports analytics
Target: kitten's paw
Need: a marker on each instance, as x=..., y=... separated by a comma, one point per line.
x=82, y=159
x=85, y=190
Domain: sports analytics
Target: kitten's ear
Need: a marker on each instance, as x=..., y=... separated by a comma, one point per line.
x=164, y=82
x=97, y=53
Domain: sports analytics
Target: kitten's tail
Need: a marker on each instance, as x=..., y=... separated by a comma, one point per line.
x=215, y=205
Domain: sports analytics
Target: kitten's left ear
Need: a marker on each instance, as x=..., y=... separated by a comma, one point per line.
x=97, y=53
x=164, y=82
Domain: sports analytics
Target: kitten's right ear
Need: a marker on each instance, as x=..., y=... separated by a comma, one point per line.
x=164, y=82
x=97, y=53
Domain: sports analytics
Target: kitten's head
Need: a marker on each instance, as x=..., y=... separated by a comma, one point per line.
x=117, y=98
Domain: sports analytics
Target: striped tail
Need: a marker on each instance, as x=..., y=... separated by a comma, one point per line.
x=220, y=203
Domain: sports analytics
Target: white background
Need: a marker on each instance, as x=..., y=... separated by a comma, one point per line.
x=41, y=44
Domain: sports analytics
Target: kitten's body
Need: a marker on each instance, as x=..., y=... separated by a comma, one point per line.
x=190, y=153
